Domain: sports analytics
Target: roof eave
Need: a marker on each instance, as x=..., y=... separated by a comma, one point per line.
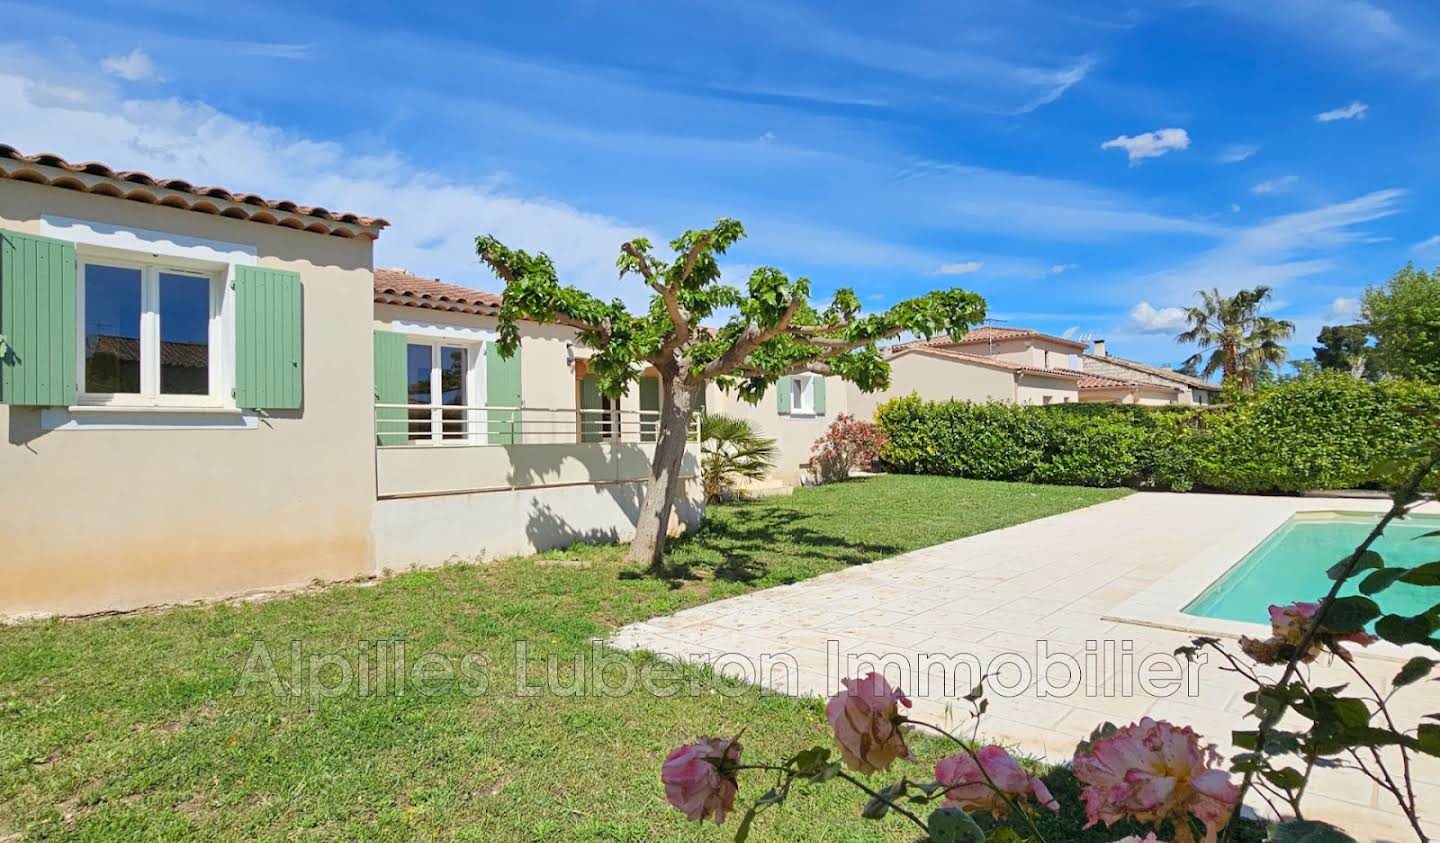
x=118, y=188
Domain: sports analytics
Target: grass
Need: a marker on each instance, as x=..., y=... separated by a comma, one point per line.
x=133, y=727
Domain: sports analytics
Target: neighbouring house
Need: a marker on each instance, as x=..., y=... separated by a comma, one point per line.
x=205, y=393
x=1019, y=366
x=1192, y=390
x=795, y=412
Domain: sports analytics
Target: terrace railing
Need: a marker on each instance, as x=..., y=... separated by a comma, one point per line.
x=440, y=425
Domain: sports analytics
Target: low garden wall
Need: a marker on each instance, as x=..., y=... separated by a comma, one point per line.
x=1321, y=432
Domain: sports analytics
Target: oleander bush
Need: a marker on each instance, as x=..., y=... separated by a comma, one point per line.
x=1328, y=431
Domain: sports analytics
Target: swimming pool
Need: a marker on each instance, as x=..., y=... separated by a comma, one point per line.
x=1290, y=565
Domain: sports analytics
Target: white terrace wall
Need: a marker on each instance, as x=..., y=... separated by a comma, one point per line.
x=460, y=502
x=101, y=519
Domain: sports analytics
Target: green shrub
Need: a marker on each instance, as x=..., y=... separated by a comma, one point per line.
x=1323, y=432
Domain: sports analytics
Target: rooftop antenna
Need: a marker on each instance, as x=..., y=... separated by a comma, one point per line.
x=990, y=341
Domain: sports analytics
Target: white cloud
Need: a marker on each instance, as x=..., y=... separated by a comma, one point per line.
x=1277, y=250
x=1234, y=208
x=959, y=268
x=134, y=66
x=1149, y=144
x=1343, y=309
x=434, y=216
x=1275, y=185
x=1237, y=152
x=1145, y=318
x=1060, y=268
x=1428, y=243
x=1070, y=332
x=1354, y=111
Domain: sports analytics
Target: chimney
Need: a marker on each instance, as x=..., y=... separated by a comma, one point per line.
x=1099, y=348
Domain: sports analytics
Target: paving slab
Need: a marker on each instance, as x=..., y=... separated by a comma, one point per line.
x=1089, y=600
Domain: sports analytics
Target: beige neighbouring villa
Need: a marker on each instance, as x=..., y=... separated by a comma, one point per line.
x=206, y=393
x=1025, y=366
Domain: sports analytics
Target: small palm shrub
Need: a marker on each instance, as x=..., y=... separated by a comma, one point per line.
x=732, y=450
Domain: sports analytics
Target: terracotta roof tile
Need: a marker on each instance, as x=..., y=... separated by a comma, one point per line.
x=94, y=177
x=396, y=286
x=172, y=353
x=1169, y=374
x=989, y=333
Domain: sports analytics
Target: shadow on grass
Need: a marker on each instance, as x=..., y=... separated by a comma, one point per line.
x=747, y=543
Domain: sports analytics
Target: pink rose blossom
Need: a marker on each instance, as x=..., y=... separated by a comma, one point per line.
x=1287, y=625
x=1149, y=838
x=864, y=718
x=699, y=778
x=1153, y=771
x=966, y=788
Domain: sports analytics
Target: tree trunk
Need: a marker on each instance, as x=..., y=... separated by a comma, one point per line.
x=676, y=402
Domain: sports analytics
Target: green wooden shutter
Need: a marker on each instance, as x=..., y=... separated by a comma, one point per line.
x=591, y=424
x=649, y=409
x=390, y=387
x=269, y=364
x=37, y=321
x=819, y=396
x=502, y=389
x=782, y=395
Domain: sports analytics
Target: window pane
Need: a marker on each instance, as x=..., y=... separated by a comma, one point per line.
x=184, y=334
x=453, y=368
x=112, y=329
x=417, y=364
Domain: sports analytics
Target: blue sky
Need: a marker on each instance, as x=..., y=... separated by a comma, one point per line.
x=1085, y=166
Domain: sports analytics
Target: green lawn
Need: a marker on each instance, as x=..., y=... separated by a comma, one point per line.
x=130, y=727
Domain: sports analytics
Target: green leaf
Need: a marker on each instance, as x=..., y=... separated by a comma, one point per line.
x=952, y=825
x=1287, y=778
x=1005, y=834
x=825, y=773
x=1427, y=574
x=1308, y=831
x=1368, y=559
x=1382, y=579
x=808, y=762
x=1414, y=670
x=1350, y=614
x=1398, y=629
x=1428, y=739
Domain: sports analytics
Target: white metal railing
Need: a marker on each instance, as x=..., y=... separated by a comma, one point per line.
x=411, y=425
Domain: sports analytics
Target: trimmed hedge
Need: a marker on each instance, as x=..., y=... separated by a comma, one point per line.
x=1329, y=431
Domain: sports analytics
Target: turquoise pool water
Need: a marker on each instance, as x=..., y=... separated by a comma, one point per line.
x=1290, y=566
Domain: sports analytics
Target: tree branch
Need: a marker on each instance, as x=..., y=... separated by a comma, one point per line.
x=694, y=254
x=678, y=317
x=753, y=338
x=556, y=316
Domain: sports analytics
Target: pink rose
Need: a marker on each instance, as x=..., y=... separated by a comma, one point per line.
x=864, y=718
x=1153, y=771
x=699, y=778
x=1149, y=838
x=1287, y=626
x=966, y=788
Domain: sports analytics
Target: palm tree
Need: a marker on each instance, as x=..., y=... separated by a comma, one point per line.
x=1241, y=342
x=731, y=450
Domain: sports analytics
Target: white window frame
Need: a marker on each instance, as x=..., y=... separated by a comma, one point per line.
x=221, y=382
x=474, y=420
x=803, y=403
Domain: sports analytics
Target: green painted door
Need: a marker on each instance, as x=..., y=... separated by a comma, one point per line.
x=37, y=321
x=649, y=409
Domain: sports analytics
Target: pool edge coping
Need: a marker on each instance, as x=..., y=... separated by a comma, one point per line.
x=1162, y=604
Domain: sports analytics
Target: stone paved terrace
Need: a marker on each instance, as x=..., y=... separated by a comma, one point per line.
x=1064, y=581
